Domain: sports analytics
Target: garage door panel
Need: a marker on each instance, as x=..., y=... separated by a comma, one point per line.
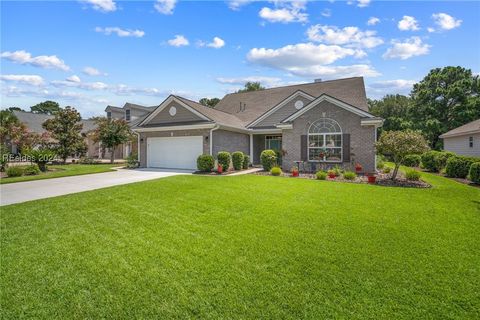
x=174, y=152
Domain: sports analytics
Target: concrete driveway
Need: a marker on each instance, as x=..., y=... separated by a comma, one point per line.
x=33, y=190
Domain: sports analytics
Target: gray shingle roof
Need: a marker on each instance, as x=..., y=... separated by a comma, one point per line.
x=471, y=127
x=34, y=121
x=350, y=90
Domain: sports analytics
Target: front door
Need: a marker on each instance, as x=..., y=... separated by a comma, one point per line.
x=274, y=143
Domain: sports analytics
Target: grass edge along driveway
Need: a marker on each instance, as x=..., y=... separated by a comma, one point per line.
x=66, y=170
x=244, y=247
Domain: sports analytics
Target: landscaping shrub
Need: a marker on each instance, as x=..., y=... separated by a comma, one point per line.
x=4, y=153
x=412, y=175
x=31, y=170
x=474, y=172
x=132, y=161
x=321, y=175
x=458, y=166
x=412, y=160
x=338, y=170
x=441, y=159
x=349, y=175
x=428, y=160
x=90, y=160
x=331, y=172
x=276, y=171
x=380, y=163
x=246, y=161
x=205, y=163
x=387, y=170
x=268, y=158
x=41, y=157
x=14, y=171
x=224, y=158
x=237, y=160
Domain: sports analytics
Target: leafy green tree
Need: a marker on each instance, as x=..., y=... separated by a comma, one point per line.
x=394, y=109
x=209, y=102
x=399, y=144
x=445, y=99
x=66, y=128
x=46, y=107
x=111, y=133
x=251, y=86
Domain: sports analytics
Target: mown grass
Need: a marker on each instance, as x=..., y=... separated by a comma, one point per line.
x=245, y=247
x=67, y=170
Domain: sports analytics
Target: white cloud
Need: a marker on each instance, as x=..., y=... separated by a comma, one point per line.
x=165, y=6
x=120, y=32
x=363, y=3
x=409, y=48
x=93, y=72
x=326, y=13
x=32, y=80
x=266, y=81
x=178, y=41
x=236, y=4
x=75, y=82
x=216, y=43
x=102, y=5
x=445, y=21
x=74, y=78
x=285, y=12
x=373, y=21
x=429, y=29
x=335, y=72
x=46, y=62
x=350, y=36
x=381, y=88
x=408, y=23
x=125, y=90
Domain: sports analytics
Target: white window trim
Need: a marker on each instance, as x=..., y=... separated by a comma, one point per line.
x=470, y=142
x=128, y=115
x=324, y=142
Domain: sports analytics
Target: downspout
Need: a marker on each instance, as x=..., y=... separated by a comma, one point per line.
x=138, y=146
x=211, y=138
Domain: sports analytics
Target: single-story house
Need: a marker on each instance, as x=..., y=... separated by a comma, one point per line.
x=464, y=140
x=34, y=122
x=322, y=124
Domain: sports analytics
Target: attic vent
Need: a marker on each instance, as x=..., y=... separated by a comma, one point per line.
x=242, y=107
x=318, y=80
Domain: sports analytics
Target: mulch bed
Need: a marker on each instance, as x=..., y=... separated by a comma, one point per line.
x=215, y=173
x=383, y=179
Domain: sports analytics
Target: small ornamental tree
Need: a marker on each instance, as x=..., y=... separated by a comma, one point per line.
x=399, y=144
x=111, y=133
x=65, y=128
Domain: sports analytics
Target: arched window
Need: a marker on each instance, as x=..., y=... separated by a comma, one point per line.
x=325, y=141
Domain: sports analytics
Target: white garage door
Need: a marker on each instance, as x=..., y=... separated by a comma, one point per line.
x=174, y=152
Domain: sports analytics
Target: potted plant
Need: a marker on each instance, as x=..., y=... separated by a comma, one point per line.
x=294, y=171
x=371, y=178
x=331, y=174
x=219, y=169
x=358, y=167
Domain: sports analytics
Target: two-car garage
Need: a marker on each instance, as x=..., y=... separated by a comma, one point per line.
x=174, y=152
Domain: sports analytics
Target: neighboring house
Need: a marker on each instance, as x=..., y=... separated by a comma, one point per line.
x=34, y=122
x=132, y=113
x=464, y=140
x=322, y=123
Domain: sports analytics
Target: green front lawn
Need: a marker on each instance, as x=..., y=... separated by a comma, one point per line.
x=244, y=247
x=66, y=170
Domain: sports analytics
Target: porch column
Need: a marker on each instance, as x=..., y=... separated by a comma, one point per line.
x=251, y=147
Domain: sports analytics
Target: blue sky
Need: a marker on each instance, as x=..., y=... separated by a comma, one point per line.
x=91, y=53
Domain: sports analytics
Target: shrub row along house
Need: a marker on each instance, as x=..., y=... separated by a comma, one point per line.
x=320, y=124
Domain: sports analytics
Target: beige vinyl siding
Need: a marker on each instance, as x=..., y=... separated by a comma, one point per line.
x=182, y=115
x=282, y=113
x=460, y=145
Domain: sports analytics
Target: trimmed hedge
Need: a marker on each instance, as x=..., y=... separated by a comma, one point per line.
x=474, y=172
x=428, y=160
x=458, y=166
x=224, y=158
x=276, y=171
x=441, y=159
x=237, y=160
x=205, y=163
x=246, y=161
x=412, y=160
x=268, y=158
x=14, y=171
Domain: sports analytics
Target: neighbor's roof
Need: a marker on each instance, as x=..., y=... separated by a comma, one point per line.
x=469, y=128
x=218, y=116
x=349, y=90
x=34, y=121
x=137, y=106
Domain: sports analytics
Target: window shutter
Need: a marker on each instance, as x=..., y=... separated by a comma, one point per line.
x=303, y=147
x=346, y=147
